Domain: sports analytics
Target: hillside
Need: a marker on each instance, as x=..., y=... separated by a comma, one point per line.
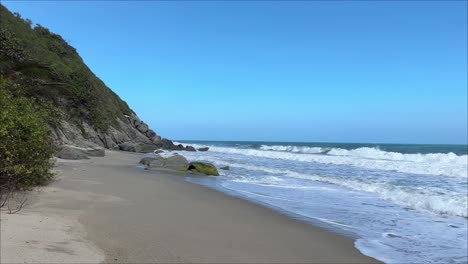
x=36, y=63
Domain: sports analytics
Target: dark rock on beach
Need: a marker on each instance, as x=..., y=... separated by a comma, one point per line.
x=203, y=149
x=146, y=160
x=145, y=148
x=138, y=147
x=77, y=153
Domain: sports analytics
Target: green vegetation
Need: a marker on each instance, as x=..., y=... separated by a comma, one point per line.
x=45, y=67
x=43, y=80
x=25, y=146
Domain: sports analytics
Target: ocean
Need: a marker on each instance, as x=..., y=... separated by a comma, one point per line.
x=401, y=203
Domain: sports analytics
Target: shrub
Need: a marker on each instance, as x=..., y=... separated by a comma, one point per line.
x=25, y=146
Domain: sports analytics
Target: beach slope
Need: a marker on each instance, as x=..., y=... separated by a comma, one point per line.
x=115, y=212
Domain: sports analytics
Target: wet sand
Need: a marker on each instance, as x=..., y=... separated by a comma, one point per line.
x=131, y=215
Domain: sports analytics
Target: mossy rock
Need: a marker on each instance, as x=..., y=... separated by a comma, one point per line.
x=203, y=167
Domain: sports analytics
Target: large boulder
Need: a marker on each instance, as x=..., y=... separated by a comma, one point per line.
x=190, y=148
x=203, y=149
x=176, y=162
x=138, y=147
x=142, y=127
x=71, y=153
x=167, y=144
x=145, y=148
x=76, y=153
x=127, y=146
x=203, y=167
x=156, y=140
x=147, y=160
x=96, y=152
x=150, y=134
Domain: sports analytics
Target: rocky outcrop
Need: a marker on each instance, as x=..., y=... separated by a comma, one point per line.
x=131, y=135
x=203, y=149
x=76, y=153
x=203, y=167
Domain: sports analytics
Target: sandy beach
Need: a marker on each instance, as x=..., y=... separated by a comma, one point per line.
x=107, y=210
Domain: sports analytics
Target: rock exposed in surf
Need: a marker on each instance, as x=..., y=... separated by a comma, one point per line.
x=203, y=149
x=203, y=167
x=225, y=168
x=190, y=148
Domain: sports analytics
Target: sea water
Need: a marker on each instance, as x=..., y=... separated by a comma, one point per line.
x=402, y=203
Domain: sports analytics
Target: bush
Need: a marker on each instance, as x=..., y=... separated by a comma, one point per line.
x=25, y=146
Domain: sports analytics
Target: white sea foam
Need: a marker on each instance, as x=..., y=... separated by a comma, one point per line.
x=370, y=158
x=366, y=191
x=295, y=149
x=427, y=199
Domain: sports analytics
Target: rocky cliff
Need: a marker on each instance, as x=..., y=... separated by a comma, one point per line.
x=82, y=110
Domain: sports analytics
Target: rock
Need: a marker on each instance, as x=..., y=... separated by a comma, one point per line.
x=127, y=146
x=150, y=133
x=138, y=147
x=176, y=162
x=72, y=153
x=166, y=143
x=115, y=147
x=190, y=148
x=146, y=161
x=203, y=167
x=142, y=127
x=203, y=149
x=179, y=147
x=156, y=140
x=145, y=148
x=157, y=162
x=96, y=152
x=158, y=151
x=225, y=168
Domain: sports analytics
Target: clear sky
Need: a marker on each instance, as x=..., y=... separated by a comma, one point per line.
x=340, y=71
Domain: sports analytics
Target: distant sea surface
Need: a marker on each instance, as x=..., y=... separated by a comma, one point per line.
x=402, y=203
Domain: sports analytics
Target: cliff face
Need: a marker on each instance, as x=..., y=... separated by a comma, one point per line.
x=130, y=130
x=37, y=63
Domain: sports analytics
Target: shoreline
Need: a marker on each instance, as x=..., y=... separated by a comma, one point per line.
x=132, y=215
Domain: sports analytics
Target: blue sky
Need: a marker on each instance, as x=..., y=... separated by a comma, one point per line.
x=360, y=71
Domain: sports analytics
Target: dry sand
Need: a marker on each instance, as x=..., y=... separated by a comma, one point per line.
x=104, y=209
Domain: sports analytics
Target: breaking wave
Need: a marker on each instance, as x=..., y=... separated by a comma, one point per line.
x=446, y=164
